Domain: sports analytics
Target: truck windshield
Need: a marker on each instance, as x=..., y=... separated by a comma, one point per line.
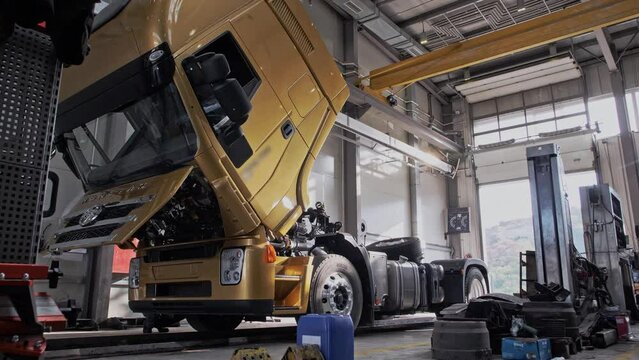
x=148, y=137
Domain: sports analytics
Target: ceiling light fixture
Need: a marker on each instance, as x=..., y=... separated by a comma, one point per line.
x=521, y=6
x=423, y=41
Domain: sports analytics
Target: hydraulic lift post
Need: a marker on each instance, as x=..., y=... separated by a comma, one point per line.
x=551, y=216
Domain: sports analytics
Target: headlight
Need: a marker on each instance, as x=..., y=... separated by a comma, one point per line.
x=134, y=273
x=232, y=261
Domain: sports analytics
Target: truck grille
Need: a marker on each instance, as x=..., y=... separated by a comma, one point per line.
x=89, y=233
x=110, y=212
x=184, y=253
x=290, y=22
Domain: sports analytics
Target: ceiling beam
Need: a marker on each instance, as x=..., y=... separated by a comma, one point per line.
x=570, y=22
x=428, y=85
x=605, y=44
x=435, y=12
x=360, y=97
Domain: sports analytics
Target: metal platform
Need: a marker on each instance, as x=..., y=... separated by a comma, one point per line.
x=91, y=344
x=29, y=84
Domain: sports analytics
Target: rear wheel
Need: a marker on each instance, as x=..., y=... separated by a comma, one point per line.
x=336, y=288
x=214, y=323
x=475, y=284
x=165, y=320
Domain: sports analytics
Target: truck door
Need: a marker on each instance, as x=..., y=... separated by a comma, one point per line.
x=283, y=94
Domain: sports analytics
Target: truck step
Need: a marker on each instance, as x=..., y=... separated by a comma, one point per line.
x=294, y=278
x=285, y=308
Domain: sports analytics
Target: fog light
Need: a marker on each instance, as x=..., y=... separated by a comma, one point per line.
x=134, y=273
x=231, y=264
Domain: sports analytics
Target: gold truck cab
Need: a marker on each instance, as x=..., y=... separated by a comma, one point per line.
x=194, y=126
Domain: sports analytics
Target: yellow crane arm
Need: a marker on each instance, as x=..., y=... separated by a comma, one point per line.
x=573, y=21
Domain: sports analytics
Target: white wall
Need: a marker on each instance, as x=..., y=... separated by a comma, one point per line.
x=385, y=196
x=432, y=226
x=325, y=183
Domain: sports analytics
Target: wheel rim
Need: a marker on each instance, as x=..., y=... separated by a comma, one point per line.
x=476, y=289
x=337, y=295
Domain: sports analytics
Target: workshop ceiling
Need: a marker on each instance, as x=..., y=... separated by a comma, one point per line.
x=434, y=24
x=438, y=23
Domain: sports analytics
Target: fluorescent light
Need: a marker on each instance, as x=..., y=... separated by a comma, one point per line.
x=519, y=79
x=521, y=6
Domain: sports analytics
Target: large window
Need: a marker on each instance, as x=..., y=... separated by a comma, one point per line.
x=507, y=230
x=507, y=225
x=528, y=123
x=603, y=110
x=632, y=101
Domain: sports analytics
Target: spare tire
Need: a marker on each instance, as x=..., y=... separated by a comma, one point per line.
x=408, y=247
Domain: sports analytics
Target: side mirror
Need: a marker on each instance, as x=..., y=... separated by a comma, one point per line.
x=207, y=68
x=233, y=100
x=208, y=74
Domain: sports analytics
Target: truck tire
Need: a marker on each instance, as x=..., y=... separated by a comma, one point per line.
x=165, y=320
x=409, y=247
x=475, y=285
x=336, y=288
x=214, y=323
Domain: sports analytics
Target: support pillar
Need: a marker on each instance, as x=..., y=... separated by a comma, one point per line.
x=413, y=170
x=352, y=187
x=351, y=55
x=628, y=146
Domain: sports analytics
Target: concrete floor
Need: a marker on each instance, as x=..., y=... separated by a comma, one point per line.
x=409, y=344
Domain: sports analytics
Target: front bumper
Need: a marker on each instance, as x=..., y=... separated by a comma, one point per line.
x=217, y=307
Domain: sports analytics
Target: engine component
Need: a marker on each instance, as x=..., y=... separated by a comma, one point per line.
x=604, y=338
x=518, y=325
x=192, y=214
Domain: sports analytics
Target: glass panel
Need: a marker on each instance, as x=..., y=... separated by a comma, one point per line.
x=603, y=111
x=512, y=119
x=571, y=122
x=148, y=137
x=487, y=139
x=538, y=113
x=486, y=124
x=517, y=133
x=573, y=182
x=534, y=130
x=570, y=107
x=507, y=229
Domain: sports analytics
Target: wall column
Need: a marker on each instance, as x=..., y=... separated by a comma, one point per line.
x=628, y=146
x=413, y=170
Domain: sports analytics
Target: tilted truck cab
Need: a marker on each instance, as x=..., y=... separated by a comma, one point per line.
x=194, y=127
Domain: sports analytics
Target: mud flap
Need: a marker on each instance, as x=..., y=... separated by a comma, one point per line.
x=454, y=281
x=344, y=244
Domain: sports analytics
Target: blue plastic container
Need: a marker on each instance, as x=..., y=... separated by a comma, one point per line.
x=333, y=333
x=524, y=349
